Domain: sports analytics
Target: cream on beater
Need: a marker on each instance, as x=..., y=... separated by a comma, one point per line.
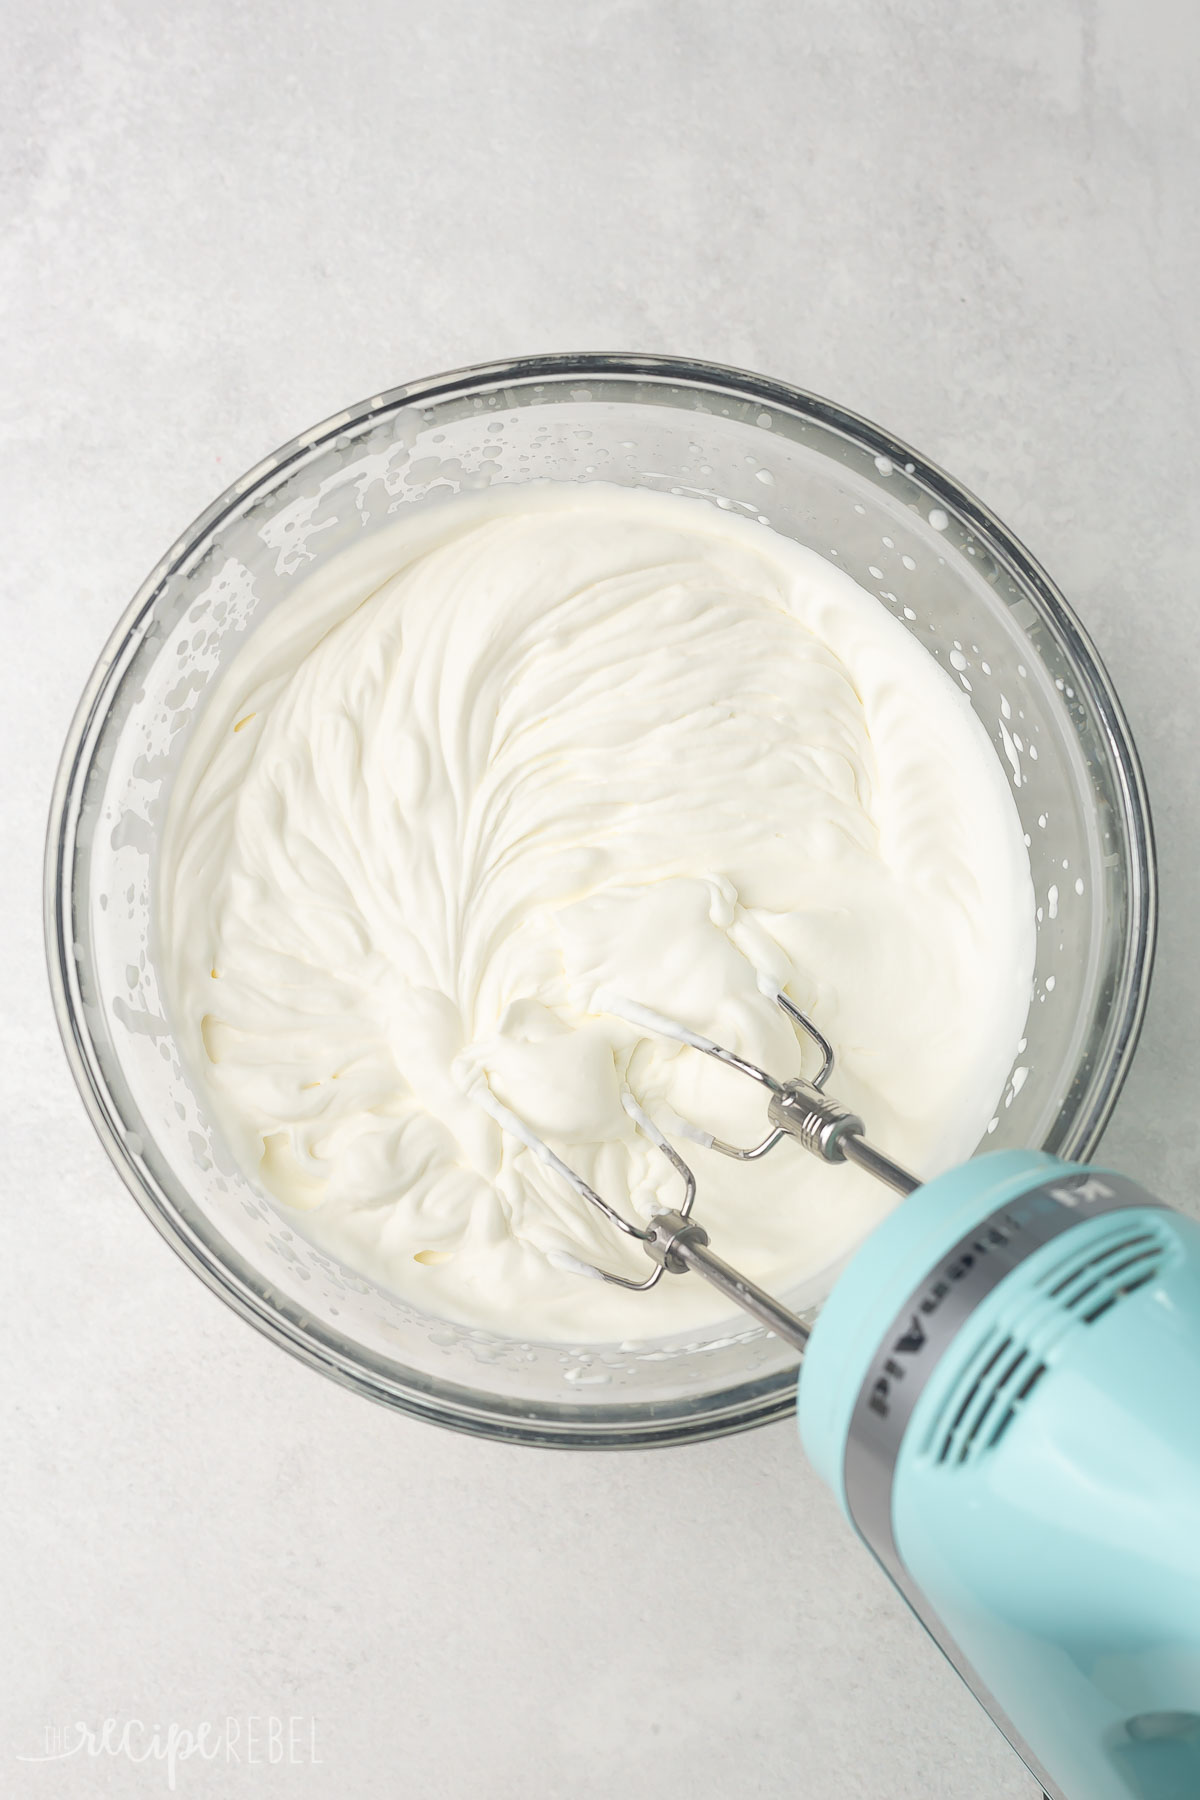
x=546, y=744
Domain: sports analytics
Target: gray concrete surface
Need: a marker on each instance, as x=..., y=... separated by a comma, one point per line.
x=974, y=223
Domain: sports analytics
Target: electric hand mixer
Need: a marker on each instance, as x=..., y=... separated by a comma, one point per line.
x=1003, y=1391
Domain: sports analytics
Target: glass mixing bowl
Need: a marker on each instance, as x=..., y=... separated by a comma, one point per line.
x=937, y=560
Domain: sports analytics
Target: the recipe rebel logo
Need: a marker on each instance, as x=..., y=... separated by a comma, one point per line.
x=263, y=1739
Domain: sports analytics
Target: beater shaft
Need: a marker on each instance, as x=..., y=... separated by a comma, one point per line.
x=680, y=1244
x=857, y=1150
x=831, y=1131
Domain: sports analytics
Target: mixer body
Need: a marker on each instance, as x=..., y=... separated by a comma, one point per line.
x=1004, y=1392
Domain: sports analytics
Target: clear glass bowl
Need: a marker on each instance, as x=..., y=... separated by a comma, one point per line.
x=956, y=578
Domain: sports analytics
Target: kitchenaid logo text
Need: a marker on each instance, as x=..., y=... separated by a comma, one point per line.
x=265, y=1739
x=913, y=1339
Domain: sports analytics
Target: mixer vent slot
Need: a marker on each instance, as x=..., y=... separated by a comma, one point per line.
x=1011, y=1361
x=987, y=1402
x=1094, y=1282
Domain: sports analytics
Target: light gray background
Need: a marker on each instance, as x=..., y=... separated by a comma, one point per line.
x=975, y=223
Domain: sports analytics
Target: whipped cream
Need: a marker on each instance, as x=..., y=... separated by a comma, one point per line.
x=541, y=747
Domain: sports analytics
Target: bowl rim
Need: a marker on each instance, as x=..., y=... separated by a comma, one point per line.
x=553, y=1424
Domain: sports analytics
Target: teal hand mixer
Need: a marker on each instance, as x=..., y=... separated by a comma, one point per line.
x=1003, y=1391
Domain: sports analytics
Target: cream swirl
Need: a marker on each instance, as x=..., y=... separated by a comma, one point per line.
x=546, y=742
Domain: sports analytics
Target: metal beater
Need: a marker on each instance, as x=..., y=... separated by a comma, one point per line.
x=675, y=1241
